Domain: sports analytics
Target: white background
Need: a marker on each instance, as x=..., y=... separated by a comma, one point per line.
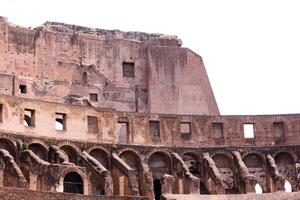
x=251, y=48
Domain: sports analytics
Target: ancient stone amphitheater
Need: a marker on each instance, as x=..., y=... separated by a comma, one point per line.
x=95, y=114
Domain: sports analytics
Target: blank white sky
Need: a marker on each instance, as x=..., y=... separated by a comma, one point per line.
x=251, y=49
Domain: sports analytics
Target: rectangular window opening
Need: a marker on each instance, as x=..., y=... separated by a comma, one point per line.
x=154, y=131
x=217, y=130
x=94, y=97
x=60, y=121
x=92, y=124
x=248, y=130
x=278, y=129
x=128, y=69
x=122, y=131
x=22, y=89
x=29, y=118
x=185, y=129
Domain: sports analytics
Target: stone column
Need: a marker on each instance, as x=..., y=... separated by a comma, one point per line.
x=167, y=184
x=33, y=181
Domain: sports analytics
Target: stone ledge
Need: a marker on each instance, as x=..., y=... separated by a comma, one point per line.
x=268, y=196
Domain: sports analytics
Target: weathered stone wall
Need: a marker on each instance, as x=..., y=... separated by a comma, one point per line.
x=57, y=60
x=203, y=130
x=15, y=193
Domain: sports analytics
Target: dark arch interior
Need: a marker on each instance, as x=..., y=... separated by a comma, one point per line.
x=100, y=156
x=160, y=165
x=73, y=183
x=71, y=152
x=283, y=159
x=222, y=161
x=193, y=164
x=253, y=161
x=131, y=159
x=39, y=150
x=8, y=146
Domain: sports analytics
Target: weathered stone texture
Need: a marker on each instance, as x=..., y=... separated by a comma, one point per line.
x=123, y=115
x=57, y=60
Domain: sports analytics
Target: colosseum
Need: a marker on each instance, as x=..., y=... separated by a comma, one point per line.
x=93, y=114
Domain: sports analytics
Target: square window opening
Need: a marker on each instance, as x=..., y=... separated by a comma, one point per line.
x=22, y=89
x=94, y=97
x=185, y=127
x=248, y=130
x=92, y=124
x=29, y=118
x=60, y=121
x=128, y=69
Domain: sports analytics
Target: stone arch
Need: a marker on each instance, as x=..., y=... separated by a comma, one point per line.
x=256, y=165
x=258, y=154
x=285, y=162
x=9, y=146
x=101, y=155
x=160, y=163
x=39, y=149
x=290, y=153
x=73, y=169
x=225, y=164
x=71, y=152
x=193, y=161
x=131, y=158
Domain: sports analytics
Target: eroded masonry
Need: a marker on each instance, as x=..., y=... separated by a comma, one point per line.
x=128, y=115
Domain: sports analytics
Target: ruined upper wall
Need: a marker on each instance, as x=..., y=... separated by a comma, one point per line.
x=55, y=61
x=104, y=126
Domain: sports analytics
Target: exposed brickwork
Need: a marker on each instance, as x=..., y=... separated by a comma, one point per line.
x=122, y=115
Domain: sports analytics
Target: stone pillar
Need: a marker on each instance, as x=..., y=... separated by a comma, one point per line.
x=108, y=184
x=194, y=186
x=1, y=177
x=167, y=184
x=33, y=181
x=250, y=185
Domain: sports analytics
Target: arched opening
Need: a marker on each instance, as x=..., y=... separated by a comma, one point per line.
x=160, y=164
x=258, y=189
x=8, y=146
x=286, y=167
x=256, y=166
x=39, y=150
x=131, y=159
x=101, y=156
x=287, y=186
x=193, y=164
x=98, y=182
x=71, y=152
x=73, y=183
x=226, y=169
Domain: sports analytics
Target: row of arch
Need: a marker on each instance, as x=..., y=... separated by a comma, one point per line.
x=161, y=162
